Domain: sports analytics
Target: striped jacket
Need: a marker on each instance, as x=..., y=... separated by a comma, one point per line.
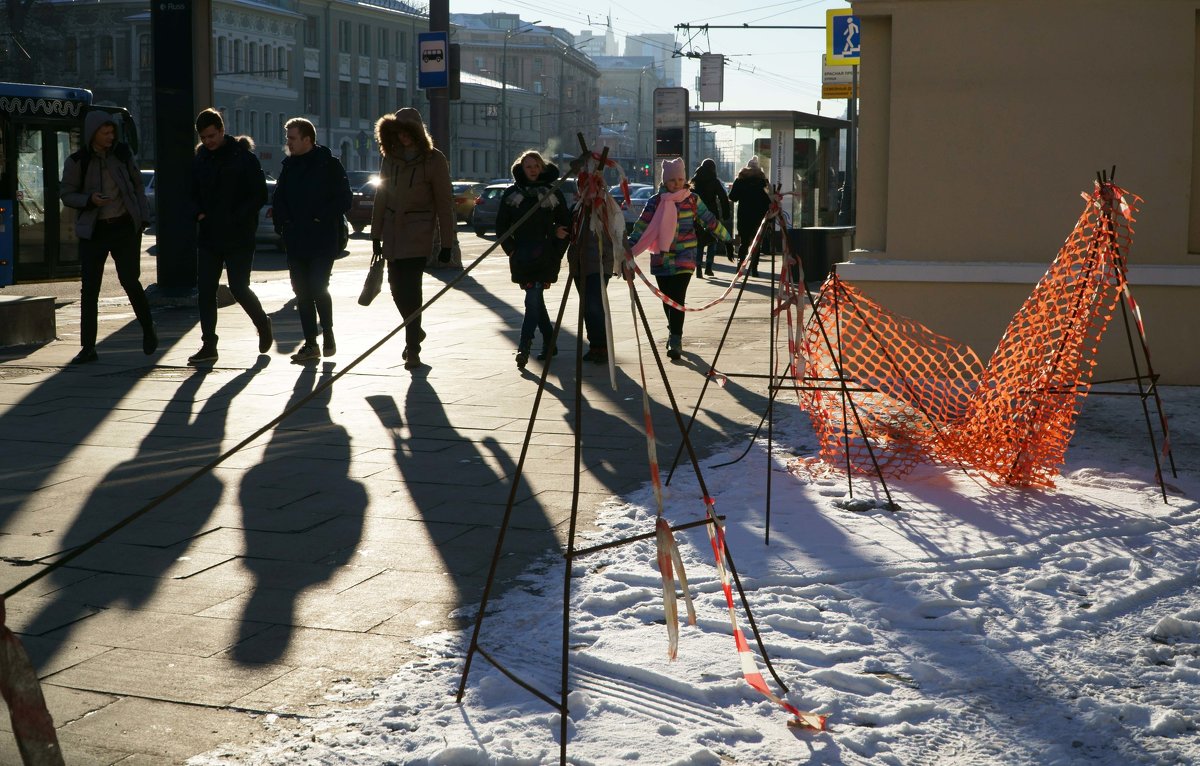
x=683, y=252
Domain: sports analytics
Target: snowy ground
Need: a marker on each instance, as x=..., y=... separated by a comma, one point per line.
x=974, y=626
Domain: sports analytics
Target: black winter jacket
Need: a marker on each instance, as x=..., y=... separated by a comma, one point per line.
x=229, y=189
x=534, y=252
x=749, y=190
x=311, y=197
x=711, y=192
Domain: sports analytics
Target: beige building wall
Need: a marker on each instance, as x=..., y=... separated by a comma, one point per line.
x=982, y=122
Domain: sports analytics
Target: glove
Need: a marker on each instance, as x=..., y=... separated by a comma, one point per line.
x=377, y=247
x=444, y=255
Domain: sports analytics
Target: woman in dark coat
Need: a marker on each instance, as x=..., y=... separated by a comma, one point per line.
x=749, y=190
x=712, y=193
x=536, y=248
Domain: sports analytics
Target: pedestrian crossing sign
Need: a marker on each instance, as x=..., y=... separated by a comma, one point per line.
x=843, y=34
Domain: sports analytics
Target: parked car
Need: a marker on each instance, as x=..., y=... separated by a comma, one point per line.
x=148, y=185
x=487, y=206
x=465, y=194
x=362, y=186
x=637, y=203
x=266, y=224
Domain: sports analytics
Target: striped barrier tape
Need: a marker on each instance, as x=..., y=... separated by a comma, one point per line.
x=31, y=722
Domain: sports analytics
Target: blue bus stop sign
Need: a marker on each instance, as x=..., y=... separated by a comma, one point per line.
x=433, y=60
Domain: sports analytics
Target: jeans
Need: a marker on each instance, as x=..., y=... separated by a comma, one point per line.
x=536, y=317
x=705, y=256
x=310, y=283
x=404, y=279
x=675, y=287
x=593, y=309
x=237, y=262
x=125, y=244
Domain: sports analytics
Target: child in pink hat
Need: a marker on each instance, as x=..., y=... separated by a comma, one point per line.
x=667, y=229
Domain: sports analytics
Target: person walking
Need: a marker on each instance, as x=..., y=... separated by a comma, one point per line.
x=712, y=193
x=228, y=190
x=311, y=197
x=103, y=183
x=536, y=248
x=750, y=192
x=667, y=229
x=413, y=200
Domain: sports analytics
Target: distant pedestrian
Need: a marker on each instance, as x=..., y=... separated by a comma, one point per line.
x=750, y=192
x=103, y=183
x=312, y=196
x=536, y=248
x=667, y=229
x=412, y=201
x=712, y=193
x=228, y=191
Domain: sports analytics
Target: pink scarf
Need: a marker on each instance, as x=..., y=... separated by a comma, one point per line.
x=660, y=234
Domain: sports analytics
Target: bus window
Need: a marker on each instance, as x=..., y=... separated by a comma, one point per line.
x=31, y=198
x=68, y=243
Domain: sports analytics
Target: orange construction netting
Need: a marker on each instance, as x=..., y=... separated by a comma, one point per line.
x=891, y=393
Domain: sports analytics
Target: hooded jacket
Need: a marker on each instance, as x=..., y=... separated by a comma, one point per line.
x=229, y=188
x=311, y=197
x=749, y=190
x=83, y=176
x=534, y=251
x=711, y=191
x=414, y=197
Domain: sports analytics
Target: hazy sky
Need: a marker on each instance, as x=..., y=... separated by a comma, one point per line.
x=766, y=69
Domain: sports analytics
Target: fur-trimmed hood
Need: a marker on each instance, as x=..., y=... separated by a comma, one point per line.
x=389, y=127
x=548, y=175
x=245, y=142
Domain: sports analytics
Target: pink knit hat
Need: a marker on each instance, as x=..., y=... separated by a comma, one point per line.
x=673, y=169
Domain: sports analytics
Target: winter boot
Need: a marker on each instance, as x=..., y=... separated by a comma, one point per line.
x=522, y=357
x=675, y=346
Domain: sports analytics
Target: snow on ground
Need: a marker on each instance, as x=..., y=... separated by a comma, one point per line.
x=974, y=626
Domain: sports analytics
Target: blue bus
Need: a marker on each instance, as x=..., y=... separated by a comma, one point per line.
x=40, y=126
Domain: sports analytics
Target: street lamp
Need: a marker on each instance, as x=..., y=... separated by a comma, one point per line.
x=503, y=158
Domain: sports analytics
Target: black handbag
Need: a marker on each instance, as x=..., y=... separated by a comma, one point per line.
x=373, y=283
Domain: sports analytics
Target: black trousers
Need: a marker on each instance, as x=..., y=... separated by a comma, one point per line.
x=404, y=279
x=237, y=262
x=310, y=283
x=675, y=287
x=124, y=242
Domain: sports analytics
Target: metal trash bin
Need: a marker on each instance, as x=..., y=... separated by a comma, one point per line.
x=819, y=247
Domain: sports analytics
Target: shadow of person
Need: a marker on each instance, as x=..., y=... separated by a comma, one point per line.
x=459, y=493
x=128, y=568
x=309, y=455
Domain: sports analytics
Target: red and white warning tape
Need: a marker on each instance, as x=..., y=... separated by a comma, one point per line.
x=31, y=721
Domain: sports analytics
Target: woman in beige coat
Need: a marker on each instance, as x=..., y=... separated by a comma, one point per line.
x=413, y=198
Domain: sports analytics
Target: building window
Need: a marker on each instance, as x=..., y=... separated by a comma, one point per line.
x=311, y=26
x=71, y=54
x=312, y=95
x=382, y=44
x=479, y=65
x=401, y=99
x=364, y=101
x=145, y=58
x=251, y=58
x=343, y=99
x=344, y=36
x=382, y=106
x=222, y=65
x=537, y=63
x=268, y=127
x=281, y=63
x=237, y=57
x=402, y=44
x=252, y=128
x=364, y=40
x=104, y=50
x=237, y=121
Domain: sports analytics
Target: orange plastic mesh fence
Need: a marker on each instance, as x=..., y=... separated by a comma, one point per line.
x=892, y=393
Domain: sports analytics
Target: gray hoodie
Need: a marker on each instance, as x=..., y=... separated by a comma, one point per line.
x=83, y=175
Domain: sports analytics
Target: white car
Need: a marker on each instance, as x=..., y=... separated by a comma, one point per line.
x=639, y=194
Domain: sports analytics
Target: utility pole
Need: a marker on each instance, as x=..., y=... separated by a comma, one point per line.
x=439, y=98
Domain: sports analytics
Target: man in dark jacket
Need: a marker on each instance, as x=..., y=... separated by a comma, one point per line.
x=102, y=182
x=750, y=191
x=311, y=197
x=228, y=190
